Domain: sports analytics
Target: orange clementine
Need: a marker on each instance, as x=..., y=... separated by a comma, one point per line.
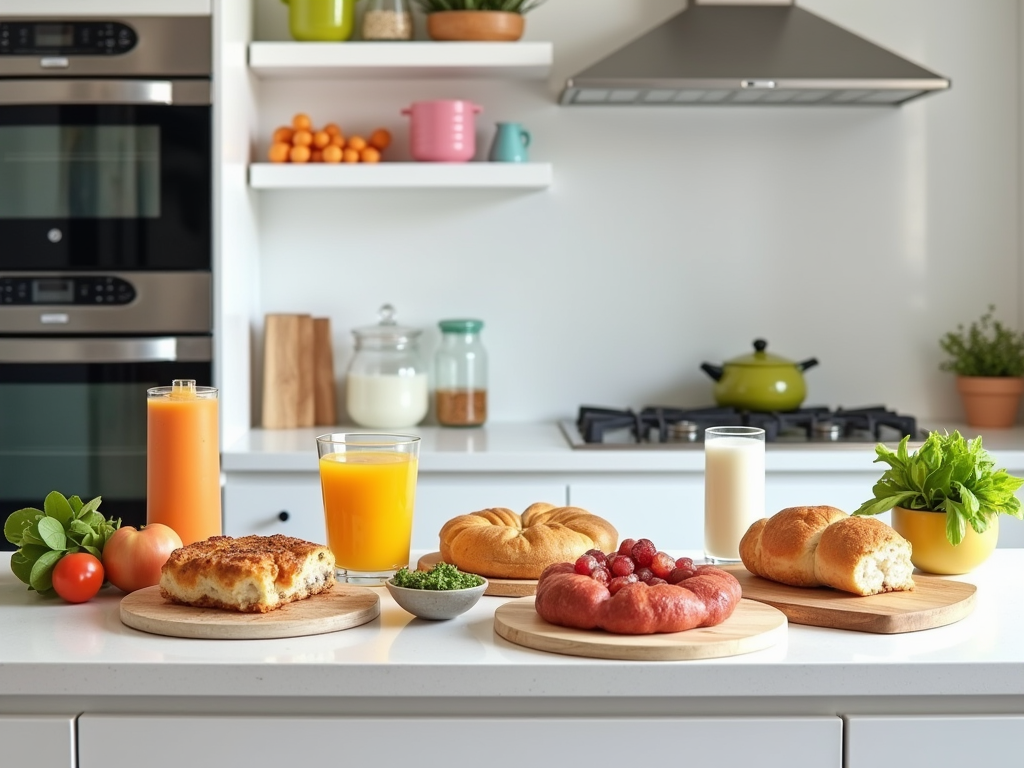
x=299, y=154
x=283, y=135
x=357, y=143
x=301, y=122
x=370, y=155
x=381, y=139
x=332, y=129
x=278, y=152
x=321, y=139
x=302, y=138
x=332, y=154
x=350, y=155
x=338, y=141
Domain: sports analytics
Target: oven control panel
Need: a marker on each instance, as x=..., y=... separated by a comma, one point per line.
x=96, y=290
x=66, y=38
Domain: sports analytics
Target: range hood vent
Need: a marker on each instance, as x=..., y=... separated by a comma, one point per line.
x=750, y=55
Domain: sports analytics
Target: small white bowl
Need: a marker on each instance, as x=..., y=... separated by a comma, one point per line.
x=436, y=604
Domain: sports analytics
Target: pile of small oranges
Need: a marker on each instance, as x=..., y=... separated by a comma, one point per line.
x=301, y=143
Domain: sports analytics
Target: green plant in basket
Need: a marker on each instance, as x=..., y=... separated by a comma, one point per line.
x=506, y=6
x=987, y=348
x=948, y=474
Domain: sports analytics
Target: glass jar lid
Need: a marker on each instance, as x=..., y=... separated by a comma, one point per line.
x=387, y=332
x=461, y=326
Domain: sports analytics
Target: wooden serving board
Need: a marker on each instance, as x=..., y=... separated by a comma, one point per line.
x=342, y=608
x=934, y=602
x=495, y=587
x=752, y=627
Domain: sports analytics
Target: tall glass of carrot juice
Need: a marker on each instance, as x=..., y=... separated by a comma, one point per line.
x=183, y=460
x=369, y=488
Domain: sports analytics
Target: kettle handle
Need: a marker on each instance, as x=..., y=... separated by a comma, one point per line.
x=809, y=363
x=714, y=371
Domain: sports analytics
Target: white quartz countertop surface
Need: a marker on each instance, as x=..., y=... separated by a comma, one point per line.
x=543, y=448
x=49, y=648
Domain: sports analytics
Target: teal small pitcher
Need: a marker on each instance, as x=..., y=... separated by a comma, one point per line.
x=510, y=143
x=321, y=20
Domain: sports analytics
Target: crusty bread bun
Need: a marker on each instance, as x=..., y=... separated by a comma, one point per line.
x=502, y=544
x=823, y=546
x=251, y=574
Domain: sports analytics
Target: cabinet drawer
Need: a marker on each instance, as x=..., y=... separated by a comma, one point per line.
x=935, y=741
x=110, y=741
x=41, y=741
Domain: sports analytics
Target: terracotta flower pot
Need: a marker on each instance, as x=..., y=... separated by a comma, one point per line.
x=932, y=552
x=990, y=401
x=475, y=25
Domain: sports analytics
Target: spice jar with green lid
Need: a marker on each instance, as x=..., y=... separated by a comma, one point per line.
x=460, y=371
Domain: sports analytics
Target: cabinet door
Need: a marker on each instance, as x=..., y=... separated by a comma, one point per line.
x=112, y=741
x=669, y=512
x=935, y=741
x=40, y=741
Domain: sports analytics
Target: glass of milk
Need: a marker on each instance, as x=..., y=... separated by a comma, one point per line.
x=733, y=488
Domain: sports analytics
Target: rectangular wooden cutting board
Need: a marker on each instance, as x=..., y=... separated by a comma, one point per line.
x=934, y=602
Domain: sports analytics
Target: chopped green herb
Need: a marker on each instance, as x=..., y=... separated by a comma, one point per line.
x=442, y=576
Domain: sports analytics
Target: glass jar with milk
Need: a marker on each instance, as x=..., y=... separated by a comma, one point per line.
x=386, y=384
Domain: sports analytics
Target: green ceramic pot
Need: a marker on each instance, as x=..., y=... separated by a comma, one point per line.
x=321, y=20
x=760, y=381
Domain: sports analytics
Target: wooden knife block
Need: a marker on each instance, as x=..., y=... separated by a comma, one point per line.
x=298, y=372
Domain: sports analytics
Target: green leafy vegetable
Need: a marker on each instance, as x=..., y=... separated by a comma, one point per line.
x=988, y=348
x=946, y=474
x=44, y=536
x=442, y=576
x=508, y=6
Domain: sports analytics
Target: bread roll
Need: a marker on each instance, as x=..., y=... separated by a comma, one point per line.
x=823, y=546
x=502, y=544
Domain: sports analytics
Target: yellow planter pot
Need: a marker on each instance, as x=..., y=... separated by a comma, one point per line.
x=932, y=552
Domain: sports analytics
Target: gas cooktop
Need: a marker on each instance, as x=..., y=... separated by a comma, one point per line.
x=657, y=427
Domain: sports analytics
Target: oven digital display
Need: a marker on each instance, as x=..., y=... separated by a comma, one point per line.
x=54, y=35
x=53, y=291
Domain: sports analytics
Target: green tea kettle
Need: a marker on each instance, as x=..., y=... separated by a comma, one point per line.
x=760, y=381
x=321, y=20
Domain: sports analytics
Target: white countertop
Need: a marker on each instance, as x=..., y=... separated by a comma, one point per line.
x=542, y=448
x=52, y=649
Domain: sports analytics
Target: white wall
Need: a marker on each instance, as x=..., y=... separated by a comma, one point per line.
x=677, y=235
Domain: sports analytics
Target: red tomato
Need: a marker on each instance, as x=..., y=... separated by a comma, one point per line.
x=133, y=558
x=78, y=577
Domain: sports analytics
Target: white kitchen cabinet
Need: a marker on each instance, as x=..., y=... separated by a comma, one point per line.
x=668, y=511
x=116, y=741
x=291, y=502
x=40, y=741
x=993, y=741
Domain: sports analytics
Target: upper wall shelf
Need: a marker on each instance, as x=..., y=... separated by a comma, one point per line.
x=421, y=60
x=479, y=175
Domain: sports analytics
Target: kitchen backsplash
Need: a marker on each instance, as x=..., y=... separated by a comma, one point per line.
x=676, y=236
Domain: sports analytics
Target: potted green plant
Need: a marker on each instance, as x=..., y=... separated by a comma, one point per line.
x=490, y=20
x=946, y=498
x=988, y=359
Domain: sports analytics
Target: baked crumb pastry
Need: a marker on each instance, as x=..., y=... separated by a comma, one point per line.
x=251, y=574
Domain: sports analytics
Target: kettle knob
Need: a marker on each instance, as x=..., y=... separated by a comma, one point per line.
x=760, y=344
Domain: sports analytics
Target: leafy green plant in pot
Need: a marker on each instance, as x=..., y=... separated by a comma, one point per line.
x=488, y=20
x=946, y=498
x=988, y=359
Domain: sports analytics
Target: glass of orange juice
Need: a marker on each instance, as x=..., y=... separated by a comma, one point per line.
x=369, y=487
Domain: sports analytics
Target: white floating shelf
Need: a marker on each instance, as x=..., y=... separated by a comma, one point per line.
x=401, y=60
x=480, y=175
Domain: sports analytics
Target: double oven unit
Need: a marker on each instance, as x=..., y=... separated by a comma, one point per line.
x=105, y=246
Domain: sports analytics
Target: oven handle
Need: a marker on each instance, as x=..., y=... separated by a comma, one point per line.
x=161, y=92
x=170, y=349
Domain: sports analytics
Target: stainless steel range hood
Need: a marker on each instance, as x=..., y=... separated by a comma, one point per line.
x=760, y=54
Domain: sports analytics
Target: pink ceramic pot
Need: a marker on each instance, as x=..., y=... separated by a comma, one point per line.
x=443, y=131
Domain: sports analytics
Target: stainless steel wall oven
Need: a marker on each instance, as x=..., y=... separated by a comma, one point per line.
x=105, y=246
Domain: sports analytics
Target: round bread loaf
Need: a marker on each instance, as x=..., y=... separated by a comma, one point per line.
x=499, y=543
x=782, y=547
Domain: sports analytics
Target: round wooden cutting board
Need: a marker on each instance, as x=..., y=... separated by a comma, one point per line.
x=342, y=608
x=495, y=587
x=752, y=627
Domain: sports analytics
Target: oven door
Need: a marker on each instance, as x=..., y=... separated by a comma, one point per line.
x=73, y=416
x=105, y=174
